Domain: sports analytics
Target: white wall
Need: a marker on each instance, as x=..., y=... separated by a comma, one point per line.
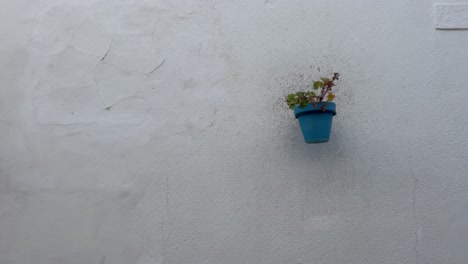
x=141, y=132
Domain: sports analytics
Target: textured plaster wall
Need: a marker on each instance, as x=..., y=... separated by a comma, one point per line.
x=153, y=132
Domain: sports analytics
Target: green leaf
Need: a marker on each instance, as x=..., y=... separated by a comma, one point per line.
x=292, y=106
x=303, y=103
x=318, y=84
x=290, y=96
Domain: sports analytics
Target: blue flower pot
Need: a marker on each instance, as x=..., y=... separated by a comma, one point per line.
x=316, y=122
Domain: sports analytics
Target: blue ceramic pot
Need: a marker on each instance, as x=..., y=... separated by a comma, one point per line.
x=316, y=122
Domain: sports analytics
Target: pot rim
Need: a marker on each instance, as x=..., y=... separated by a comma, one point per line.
x=310, y=109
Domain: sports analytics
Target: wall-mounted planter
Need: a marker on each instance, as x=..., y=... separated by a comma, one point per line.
x=316, y=122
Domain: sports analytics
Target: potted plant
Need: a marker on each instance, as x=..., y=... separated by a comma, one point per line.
x=314, y=109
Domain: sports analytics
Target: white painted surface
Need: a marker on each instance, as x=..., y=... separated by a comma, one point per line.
x=154, y=132
x=451, y=16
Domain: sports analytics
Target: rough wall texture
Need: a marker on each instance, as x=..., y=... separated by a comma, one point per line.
x=151, y=132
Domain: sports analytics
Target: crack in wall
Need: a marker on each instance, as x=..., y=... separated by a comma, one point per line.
x=125, y=98
x=108, y=50
x=157, y=67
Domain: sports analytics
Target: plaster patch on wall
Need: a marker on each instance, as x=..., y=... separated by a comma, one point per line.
x=82, y=106
x=104, y=71
x=115, y=85
x=137, y=53
x=71, y=68
x=451, y=16
x=94, y=35
x=56, y=27
x=66, y=105
x=136, y=19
